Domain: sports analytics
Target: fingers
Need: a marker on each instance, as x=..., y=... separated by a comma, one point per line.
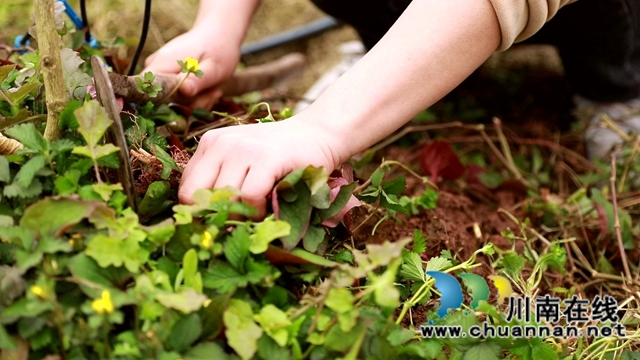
x=201, y=171
x=213, y=73
x=257, y=185
x=207, y=99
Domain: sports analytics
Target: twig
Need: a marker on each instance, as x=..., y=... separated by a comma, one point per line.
x=534, y=142
x=509, y=164
x=628, y=164
x=614, y=200
x=51, y=64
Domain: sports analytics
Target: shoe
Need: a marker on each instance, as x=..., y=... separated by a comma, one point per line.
x=352, y=52
x=600, y=140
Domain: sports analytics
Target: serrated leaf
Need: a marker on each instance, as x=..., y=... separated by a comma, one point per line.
x=93, y=121
x=5, y=173
x=236, y=248
x=533, y=349
x=95, y=153
x=105, y=190
x=395, y=186
x=68, y=119
x=184, y=333
x=376, y=177
x=186, y=301
x=110, y=251
x=513, y=264
x=419, y=242
x=267, y=231
x=438, y=263
x=411, y=268
x=241, y=330
x=274, y=322
x=206, y=351
x=62, y=145
x=398, y=337
x=29, y=136
x=74, y=77
x=15, y=190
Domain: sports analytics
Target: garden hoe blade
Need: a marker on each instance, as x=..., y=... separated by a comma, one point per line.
x=115, y=133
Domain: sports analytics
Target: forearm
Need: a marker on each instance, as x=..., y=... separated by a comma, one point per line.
x=432, y=48
x=231, y=17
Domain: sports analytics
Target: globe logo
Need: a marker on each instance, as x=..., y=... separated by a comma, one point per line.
x=451, y=290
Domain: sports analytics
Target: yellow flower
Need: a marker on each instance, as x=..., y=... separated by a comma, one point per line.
x=207, y=240
x=191, y=64
x=104, y=305
x=38, y=291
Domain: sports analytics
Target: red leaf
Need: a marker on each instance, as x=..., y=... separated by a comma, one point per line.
x=437, y=159
x=473, y=172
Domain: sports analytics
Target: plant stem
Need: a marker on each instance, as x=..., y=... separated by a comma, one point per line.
x=614, y=201
x=636, y=145
x=173, y=91
x=51, y=65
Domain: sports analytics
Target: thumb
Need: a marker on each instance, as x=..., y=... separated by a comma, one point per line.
x=212, y=74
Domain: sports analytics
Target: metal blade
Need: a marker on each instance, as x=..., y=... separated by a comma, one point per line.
x=115, y=133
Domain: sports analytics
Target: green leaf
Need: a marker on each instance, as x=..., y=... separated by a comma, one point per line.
x=533, y=349
x=269, y=349
x=96, y=152
x=267, y=231
x=313, y=238
x=211, y=315
x=156, y=199
x=206, y=351
x=29, y=136
x=50, y=245
x=184, y=333
x=51, y=217
x=386, y=294
x=74, y=76
x=67, y=117
x=15, y=190
x=438, y=263
x=186, y=301
x=376, y=177
x=339, y=300
x=411, y=268
x=190, y=267
x=241, y=330
x=338, y=340
x=343, y=257
x=274, y=322
x=22, y=92
x=117, y=252
x=484, y=351
x=93, y=121
x=6, y=341
x=398, y=337
x=26, y=260
x=419, y=242
x=297, y=213
x=225, y=279
x=395, y=186
x=85, y=268
x=168, y=164
x=5, y=173
x=236, y=248
x=513, y=264
x=105, y=190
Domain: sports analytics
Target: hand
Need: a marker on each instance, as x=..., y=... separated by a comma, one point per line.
x=253, y=157
x=218, y=59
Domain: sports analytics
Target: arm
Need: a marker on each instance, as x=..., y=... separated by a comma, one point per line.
x=432, y=47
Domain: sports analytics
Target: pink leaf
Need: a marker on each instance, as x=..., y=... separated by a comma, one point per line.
x=337, y=218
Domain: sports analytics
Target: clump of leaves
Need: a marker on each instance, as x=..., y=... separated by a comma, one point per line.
x=146, y=85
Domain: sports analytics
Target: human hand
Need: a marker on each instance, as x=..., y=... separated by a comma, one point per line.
x=253, y=157
x=217, y=57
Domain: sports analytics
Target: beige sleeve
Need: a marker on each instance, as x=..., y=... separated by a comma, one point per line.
x=520, y=19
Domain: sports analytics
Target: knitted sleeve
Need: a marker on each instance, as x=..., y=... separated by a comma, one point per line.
x=520, y=19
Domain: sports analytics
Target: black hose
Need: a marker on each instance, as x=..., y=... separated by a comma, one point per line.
x=298, y=33
x=143, y=37
x=85, y=20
